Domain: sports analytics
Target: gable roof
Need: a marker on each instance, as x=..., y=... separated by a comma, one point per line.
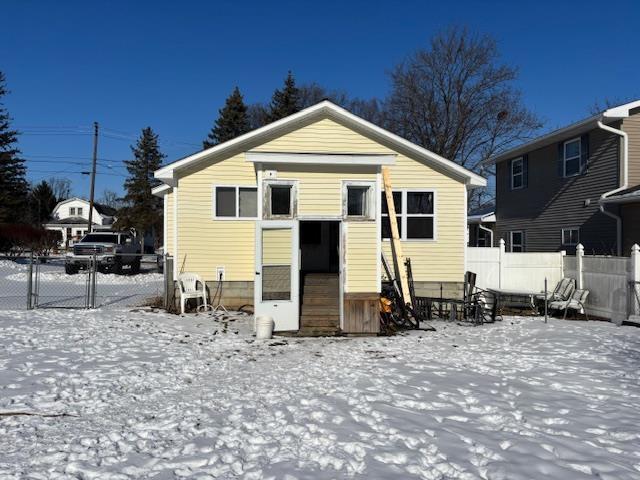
x=324, y=109
x=101, y=209
x=606, y=116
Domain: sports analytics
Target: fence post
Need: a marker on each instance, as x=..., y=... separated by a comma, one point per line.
x=579, y=269
x=169, y=286
x=501, y=279
x=635, y=278
x=30, y=284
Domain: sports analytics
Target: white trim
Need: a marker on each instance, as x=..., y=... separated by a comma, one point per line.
x=321, y=110
x=161, y=190
x=293, y=199
x=175, y=232
x=513, y=161
x=521, y=245
x=320, y=158
x=565, y=159
x=404, y=215
x=378, y=196
x=165, y=222
x=465, y=229
x=341, y=270
x=237, y=216
x=566, y=229
x=370, y=205
x=345, y=246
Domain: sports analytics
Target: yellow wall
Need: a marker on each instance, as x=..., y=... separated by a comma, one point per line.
x=441, y=260
x=204, y=243
x=276, y=246
x=361, y=257
x=320, y=187
x=323, y=136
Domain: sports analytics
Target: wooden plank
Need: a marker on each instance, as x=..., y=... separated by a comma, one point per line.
x=396, y=246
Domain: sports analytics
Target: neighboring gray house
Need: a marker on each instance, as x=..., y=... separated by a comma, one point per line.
x=558, y=190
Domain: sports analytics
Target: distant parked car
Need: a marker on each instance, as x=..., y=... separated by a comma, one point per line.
x=112, y=251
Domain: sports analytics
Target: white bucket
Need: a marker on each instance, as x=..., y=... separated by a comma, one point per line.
x=264, y=327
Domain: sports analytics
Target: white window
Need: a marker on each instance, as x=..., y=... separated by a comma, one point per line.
x=234, y=201
x=358, y=200
x=279, y=199
x=415, y=212
x=572, y=152
x=516, y=241
x=570, y=236
x=72, y=211
x=79, y=211
x=517, y=173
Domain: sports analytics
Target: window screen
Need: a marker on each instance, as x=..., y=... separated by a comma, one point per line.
x=248, y=202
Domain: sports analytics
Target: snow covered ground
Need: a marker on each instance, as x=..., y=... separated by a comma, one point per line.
x=115, y=394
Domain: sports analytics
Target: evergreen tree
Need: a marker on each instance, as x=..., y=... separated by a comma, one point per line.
x=285, y=102
x=142, y=210
x=13, y=185
x=232, y=121
x=42, y=201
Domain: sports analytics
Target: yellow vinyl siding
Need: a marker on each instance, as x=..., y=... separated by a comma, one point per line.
x=323, y=136
x=361, y=257
x=204, y=243
x=320, y=187
x=441, y=260
x=276, y=246
x=170, y=232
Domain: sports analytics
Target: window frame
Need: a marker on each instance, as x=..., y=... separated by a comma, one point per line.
x=370, y=213
x=237, y=198
x=569, y=229
x=565, y=159
x=72, y=211
x=521, y=244
x=79, y=210
x=266, y=199
x=513, y=162
x=404, y=215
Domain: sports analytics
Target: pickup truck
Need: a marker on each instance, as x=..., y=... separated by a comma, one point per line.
x=112, y=251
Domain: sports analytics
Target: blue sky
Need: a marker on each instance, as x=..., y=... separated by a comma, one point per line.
x=170, y=65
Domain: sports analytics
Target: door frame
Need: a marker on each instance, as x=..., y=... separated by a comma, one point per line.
x=292, y=320
x=341, y=252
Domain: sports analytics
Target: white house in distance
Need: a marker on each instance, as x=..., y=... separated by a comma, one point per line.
x=71, y=216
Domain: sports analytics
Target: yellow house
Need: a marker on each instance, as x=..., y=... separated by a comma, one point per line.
x=290, y=218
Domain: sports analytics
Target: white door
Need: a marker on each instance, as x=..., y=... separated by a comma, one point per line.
x=276, y=289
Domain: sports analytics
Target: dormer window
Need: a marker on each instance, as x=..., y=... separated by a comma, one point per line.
x=72, y=211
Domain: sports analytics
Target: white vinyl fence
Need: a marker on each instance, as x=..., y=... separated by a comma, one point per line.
x=496, y=268
x=613, y=282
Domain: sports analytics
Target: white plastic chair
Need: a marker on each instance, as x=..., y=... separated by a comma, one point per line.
x=191, y=286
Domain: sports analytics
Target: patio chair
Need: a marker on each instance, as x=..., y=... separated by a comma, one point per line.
x=191, y=286
x=576, y=303
x=480, y=306
x=563, y=291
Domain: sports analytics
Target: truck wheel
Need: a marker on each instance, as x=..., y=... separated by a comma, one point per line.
x=70, y=269
x=135, y=266
x=117, y=266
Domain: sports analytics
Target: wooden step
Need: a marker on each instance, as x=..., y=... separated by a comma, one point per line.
x=331, y=301
x=318, y=332
x=321, y=280
x=321, y=289
x=308, y=309
x=320, y=322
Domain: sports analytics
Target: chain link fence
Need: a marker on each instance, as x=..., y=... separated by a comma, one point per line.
x=82, y=281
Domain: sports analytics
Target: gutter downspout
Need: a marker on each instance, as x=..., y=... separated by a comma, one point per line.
x=624, y=186
x=487, y=230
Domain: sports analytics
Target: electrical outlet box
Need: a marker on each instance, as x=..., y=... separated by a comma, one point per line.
x=220, y=274
x=270, y=174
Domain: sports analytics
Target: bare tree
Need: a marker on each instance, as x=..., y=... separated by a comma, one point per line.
x=111, y=199
x=458, y=101
x=61, y=188
x=598, y=106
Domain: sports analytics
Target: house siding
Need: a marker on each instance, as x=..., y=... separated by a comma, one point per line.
x=168, y=198
x=551, y=202
x=205, y=243
x=631, y=125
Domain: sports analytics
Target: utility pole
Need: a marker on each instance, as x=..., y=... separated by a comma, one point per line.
x=93, y=175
